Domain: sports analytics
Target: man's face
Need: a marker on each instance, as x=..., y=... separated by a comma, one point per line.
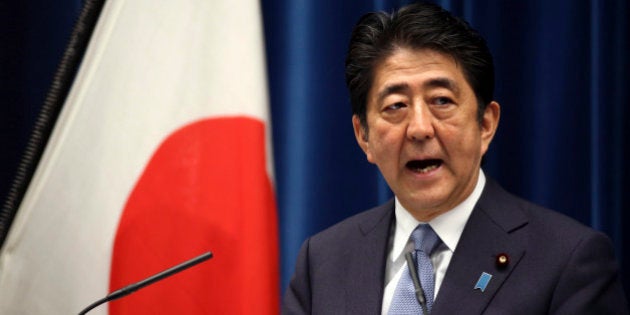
x=423, y=132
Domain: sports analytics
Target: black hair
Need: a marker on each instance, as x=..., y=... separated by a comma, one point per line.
x=378, y=35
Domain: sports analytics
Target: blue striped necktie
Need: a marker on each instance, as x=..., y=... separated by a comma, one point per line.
x=404, y=300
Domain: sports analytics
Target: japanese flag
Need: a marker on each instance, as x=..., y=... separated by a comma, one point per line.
x=161, y=152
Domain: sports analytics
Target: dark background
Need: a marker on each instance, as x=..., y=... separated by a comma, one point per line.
x=562, y=80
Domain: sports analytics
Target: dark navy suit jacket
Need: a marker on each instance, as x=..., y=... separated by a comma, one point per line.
x=556, y=265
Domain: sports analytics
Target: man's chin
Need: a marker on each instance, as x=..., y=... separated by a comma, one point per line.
x=425, y=207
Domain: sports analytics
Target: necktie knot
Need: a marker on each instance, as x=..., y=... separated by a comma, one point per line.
x=425, y=239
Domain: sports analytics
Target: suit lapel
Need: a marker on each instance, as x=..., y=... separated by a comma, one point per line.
x=365, y=274
x=486, y=235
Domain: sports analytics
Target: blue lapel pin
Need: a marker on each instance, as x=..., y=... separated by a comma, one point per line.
x=482, y=283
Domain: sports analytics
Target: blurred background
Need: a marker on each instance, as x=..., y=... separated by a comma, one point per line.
x=562, y=78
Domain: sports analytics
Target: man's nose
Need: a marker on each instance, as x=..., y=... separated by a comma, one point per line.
x=420, y=125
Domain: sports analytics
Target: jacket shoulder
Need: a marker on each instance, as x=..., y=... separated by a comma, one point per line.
x=359, y=224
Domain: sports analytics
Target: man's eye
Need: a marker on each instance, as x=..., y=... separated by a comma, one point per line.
x=395, y=106
x=442, y=101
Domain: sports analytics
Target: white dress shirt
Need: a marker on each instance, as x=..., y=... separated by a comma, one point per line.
x=448, y=226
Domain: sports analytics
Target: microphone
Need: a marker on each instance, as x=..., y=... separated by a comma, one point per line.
x=416, y=282
x=141, y=284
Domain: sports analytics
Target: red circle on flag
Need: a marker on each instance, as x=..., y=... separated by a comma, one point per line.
x=206, y=188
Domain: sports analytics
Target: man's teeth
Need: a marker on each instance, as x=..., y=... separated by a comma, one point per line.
x=427, y=169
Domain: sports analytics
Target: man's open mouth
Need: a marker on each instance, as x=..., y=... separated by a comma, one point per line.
x=423, y=166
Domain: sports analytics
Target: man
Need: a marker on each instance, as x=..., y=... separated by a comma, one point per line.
x=421, y=84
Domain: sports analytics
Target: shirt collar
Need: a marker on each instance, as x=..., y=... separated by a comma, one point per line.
x=448, y=226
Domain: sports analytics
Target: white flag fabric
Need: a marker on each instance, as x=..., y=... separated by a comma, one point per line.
x=161, y=152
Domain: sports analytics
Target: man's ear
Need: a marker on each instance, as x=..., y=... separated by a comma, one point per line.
x=489, y=124
x=361, y=134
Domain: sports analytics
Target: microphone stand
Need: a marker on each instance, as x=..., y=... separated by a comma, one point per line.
x=157, y=277
x=411, y=263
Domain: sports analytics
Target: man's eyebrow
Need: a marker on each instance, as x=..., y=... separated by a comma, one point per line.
x=392, y=89
x=442, y=83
